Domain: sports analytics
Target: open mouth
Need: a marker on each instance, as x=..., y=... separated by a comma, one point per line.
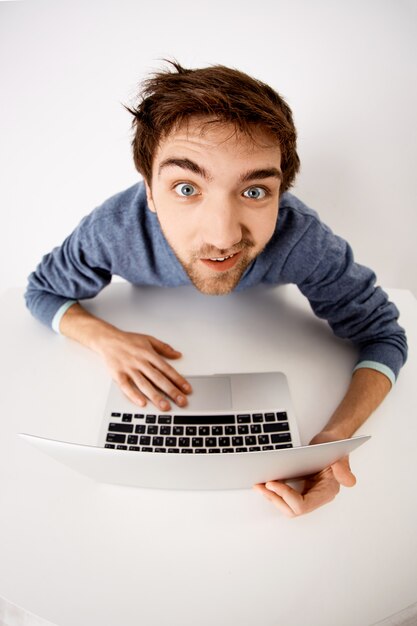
x=221, y=264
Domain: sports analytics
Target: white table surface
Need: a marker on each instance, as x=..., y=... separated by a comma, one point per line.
x=78, y=553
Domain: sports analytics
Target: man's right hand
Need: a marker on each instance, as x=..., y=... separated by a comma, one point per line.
x=136, y=362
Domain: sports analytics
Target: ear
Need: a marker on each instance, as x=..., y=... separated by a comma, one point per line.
x=149, y=197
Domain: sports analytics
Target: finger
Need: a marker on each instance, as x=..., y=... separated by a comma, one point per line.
x=320, y=490
x=276, y=500
x=291, y=498
x=164, y=384
x=150, y=391
x=171, y=373
x=164, y=348
x=342, y=472
x=131, y=391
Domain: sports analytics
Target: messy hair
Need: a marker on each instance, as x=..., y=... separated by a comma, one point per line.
x=170, y=98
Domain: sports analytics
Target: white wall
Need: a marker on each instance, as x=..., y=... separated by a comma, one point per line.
x=347, y=69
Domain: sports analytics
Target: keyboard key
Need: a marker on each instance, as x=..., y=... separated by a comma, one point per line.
x=211, y=442
x=113, y=438
x=178, y=430
x=280, y=437
x=135, y=448
x=224, y=442
x=165, y=430
x=157, y=441
x=268, y=447
x=184, y=442
x=243, y=419
x=115, y=414
x=144, y=440
x=200, y=450
x=150, y=419
x=191, y=430
x=255, y=428
x=197, y=442
x=204, y=430
x=237, y=441
x=230, y=430
x=282, y=417
x=140, y=429
x=254, y=449
x=160, y=450
x=227, y=450
x=269, y=417
x=173, y=450
x=127, y=417
x=214, y=450
x=241, y=449
x=132, y=439
x=146, y=449
x=263, y=439
x=187, y=450
x=274, y=428
x=217, y=430
x=250, y=440
x=164, y=419
x=170, y=441
x=120, y=428
x=204, y=420
x=243, y=430
x=286, y=445
x=120, y=447
x=109, y=445
x=138, y=416
x=257, y=417
x=152, y=429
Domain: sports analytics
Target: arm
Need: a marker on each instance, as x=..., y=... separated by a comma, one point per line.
x=136, y=361
x=367, y=390
x=80, y=268
x=343, y=293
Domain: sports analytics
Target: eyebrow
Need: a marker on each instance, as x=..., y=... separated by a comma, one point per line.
x=188, y=164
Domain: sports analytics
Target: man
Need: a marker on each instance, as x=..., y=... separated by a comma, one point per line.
x=217, y=152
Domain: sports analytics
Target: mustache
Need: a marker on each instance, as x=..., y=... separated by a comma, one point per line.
x=207, y=252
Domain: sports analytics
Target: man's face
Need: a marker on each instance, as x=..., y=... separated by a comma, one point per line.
x=216, y=196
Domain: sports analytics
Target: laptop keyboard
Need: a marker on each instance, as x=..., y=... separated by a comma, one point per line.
x=199, y=434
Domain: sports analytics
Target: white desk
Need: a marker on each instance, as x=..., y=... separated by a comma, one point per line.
x=79, y=553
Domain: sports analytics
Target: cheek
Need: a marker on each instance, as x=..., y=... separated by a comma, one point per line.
x=178, y=228
x=262, y=227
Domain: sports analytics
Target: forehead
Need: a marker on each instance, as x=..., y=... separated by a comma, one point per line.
x=209, y=135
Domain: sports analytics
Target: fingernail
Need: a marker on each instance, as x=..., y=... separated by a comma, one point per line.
x=180, y=399
x=164, y=404
x=186, y=387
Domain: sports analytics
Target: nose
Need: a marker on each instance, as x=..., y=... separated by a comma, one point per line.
x=221, y=225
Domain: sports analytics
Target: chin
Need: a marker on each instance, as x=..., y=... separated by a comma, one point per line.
x=219, y=284
x=214, y=289
x=216, y=285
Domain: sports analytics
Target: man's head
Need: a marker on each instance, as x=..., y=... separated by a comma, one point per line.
x=216, y=149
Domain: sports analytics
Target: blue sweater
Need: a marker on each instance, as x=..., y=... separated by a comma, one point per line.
x=123, y=237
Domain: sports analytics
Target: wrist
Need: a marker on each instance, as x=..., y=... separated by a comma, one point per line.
x=85, y=328
x=325, y=436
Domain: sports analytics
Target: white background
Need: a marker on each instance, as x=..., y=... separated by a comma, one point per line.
x=347, y=69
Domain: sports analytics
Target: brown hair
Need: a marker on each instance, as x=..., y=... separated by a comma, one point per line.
x=170, y=98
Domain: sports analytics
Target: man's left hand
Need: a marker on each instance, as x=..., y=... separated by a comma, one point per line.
x=318, y=489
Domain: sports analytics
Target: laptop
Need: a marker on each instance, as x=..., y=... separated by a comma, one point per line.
x=237, y=430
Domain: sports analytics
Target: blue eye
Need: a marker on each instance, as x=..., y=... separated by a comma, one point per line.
x=186, y=189
x=254, y=193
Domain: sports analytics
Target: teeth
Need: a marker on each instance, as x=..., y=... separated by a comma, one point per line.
x=223, y=258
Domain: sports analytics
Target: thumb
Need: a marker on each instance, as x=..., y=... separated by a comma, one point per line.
x=164, y=348
x=342, y=472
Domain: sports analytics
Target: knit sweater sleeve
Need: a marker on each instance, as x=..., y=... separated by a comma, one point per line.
x=345, y=294
x=77, y=269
